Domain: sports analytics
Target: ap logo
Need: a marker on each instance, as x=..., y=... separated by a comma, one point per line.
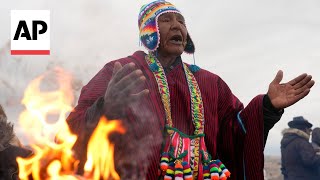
x=30, y=32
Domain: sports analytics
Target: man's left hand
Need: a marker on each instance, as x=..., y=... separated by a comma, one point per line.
x=286, y=94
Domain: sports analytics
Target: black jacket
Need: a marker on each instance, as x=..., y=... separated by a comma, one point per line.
x=316, y=139
x=299, y=159
x=8, y=164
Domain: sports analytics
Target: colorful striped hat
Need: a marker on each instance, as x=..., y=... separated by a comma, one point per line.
x=148, y=24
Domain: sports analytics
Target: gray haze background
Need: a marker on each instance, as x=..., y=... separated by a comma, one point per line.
x=245, y=42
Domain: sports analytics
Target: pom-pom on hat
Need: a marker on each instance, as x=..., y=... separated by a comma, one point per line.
x=299, y=123
x=148, y=24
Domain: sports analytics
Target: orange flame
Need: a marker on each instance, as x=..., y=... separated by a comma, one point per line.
x=43, y=104
x=100, y=150
x=55, y=161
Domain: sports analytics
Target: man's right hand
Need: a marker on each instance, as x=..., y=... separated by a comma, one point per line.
x=119, y=93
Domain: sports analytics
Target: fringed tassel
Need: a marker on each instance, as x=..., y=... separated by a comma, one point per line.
x=222, y=176
x=187, y=173
x=194, y=68
x=164, y=162
x=214, y=170
x=206, y=173
x=170, y=172
x=178, y=171
x=225, y=173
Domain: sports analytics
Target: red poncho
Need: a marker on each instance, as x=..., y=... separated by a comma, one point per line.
x=242, y=153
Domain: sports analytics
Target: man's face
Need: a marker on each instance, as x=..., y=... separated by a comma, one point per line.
x=173, y=34
x=308, y=131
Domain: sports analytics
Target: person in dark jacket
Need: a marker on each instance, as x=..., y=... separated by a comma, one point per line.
x=10, y=149
x=316, y=143
x=316, y=140
x=299, y=159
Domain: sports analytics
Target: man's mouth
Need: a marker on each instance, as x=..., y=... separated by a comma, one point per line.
x=176, y=39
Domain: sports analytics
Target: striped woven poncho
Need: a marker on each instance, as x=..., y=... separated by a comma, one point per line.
x=242, y=153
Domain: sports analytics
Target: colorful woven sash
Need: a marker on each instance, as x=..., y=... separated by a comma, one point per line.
x=184, y=156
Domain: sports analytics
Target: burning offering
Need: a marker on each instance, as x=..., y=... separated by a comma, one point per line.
x=44, y=124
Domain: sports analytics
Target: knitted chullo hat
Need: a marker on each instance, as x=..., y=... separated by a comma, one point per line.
x=148, y=24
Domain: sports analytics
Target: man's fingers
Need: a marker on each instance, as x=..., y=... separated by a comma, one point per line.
x=300, y=96
x=122, y=72
x=297, y=79
x=310, y=84
x=303, y=82
x=124, y=86
x=304, y=88
x=278, y=78
x=135, y=83
x=128, y=79
x=138, y=96
x=116, y=67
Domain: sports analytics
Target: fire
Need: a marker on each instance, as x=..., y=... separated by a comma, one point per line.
x=52, y=141
x=100, y=151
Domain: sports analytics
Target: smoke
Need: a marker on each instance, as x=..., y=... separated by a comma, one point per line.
x=141, y=149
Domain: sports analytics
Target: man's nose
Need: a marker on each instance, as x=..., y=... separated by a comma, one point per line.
x=176, y=25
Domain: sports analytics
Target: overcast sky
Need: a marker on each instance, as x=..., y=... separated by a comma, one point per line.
x=244, y=42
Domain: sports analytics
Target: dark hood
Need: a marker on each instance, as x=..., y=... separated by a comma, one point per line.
x=316, y=136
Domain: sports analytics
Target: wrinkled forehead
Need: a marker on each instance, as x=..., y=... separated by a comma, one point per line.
x=151, y=11
x=170, y=14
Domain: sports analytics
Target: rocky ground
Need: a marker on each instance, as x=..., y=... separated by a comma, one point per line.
x=272, y=167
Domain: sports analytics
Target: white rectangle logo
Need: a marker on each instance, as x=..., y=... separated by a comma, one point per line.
x=30, y=32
